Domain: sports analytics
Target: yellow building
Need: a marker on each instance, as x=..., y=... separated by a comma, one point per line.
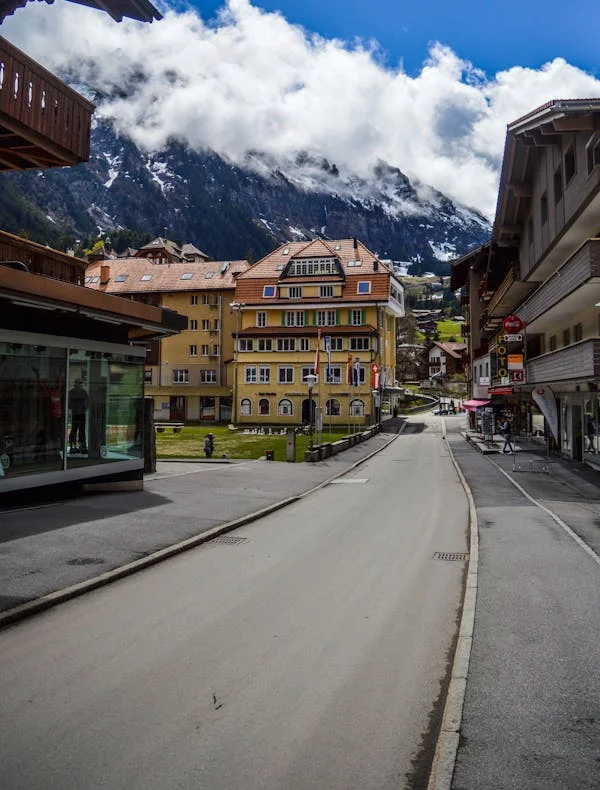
x=191, y=378
x=334, y=296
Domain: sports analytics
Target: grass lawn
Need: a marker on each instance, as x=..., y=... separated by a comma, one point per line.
x=237, y=444
x=446, y=329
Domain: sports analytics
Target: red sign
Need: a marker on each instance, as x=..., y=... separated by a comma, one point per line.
x=500, y=390
x=512, y=324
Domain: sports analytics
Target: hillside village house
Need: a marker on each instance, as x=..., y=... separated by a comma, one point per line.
x=187, y=375
x=336, y=297
x=446, y=358
x=542, y=265
x=71, y=380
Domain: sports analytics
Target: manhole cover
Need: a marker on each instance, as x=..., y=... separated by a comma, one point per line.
x=451, y=556
x=86, y=561
x=229, y=539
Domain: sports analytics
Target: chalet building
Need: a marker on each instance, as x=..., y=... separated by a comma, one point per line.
x=71, y=374
x=445, y=360
x=189, y=375
x=318, y=308
x=161, y=251
x=542, y=265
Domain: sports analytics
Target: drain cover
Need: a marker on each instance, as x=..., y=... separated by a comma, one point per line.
x=231, y=540
x=459, y=556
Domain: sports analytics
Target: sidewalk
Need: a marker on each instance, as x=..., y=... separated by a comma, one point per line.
x=531, y=715
x=61, y=549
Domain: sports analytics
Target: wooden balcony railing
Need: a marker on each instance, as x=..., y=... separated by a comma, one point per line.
x=42, y=260
x=43, y=122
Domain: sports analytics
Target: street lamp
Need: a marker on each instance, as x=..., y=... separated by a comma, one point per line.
x=237, y=307
x=311, y=380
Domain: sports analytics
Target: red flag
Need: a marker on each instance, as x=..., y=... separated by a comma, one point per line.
x=318, y=352
x=350, y=370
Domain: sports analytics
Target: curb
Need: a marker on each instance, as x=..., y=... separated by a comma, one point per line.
x=37, y=605
x=446, y=748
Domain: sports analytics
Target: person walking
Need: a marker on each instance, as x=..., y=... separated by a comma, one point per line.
x=506, y=429
x=209, y=445
x=591, y=433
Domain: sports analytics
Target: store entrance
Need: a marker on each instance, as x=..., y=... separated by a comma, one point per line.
x=177, y=408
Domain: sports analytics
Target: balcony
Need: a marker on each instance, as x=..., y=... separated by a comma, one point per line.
x=576, y=362
x=43, y=122
x=42, y=260
x=509, y=294
x=572, y=288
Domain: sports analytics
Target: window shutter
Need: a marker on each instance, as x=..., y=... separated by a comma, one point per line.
x=314, y=317
x=337, y=318
x=362, y=317
x=283, y=318
x=349, y=317
x=306, y=318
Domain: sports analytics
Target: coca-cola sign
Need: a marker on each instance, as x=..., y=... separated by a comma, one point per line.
x=512, y=324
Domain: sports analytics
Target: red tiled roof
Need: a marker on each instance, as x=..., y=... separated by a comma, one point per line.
x=450, y=347
x=165, y=278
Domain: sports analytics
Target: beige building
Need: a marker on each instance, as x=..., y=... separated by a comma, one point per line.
x=336, y=297
x=191, y=378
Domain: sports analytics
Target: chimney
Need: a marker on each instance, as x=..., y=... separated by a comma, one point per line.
x=104, y=275
x=355, y=245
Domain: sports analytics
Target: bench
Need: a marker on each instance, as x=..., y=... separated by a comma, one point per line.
x=161, y=426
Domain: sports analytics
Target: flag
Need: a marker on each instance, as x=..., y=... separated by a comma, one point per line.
x=375, y=376
x=350, y=373
x=317, y=353
x=356, y=371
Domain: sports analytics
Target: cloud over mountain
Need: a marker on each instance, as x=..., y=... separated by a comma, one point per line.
x=253, y=81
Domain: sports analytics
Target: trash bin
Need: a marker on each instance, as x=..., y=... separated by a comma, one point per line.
x=270, y=455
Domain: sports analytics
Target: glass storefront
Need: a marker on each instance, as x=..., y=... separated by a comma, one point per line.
x=64, y=408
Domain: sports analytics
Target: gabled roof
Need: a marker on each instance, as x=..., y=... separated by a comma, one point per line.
x=315, y=249
x=124, y=276
x=141, y=10
x=450, y=347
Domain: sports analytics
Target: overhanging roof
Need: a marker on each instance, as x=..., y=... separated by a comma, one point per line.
x=141, y=10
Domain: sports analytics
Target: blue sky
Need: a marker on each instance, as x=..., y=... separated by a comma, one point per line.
x=493, y=34
x=433, y=98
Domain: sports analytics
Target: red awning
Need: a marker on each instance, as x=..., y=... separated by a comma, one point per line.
x=472, y=405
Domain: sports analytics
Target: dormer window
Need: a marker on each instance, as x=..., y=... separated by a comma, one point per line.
x=286, y=251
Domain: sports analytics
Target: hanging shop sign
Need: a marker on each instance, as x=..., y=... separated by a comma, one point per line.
x=513, y=324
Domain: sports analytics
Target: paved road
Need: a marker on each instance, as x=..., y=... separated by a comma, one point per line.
x=308, y=655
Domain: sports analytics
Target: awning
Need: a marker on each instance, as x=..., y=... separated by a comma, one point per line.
x=472, y=405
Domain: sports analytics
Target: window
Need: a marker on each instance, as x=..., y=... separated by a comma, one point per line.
x=558, y=186
x=286, y=344
x=265, y=344
x=363, y=287
x=570, y=164
x=261, y=318
x=333, y=374
x=181, y=376
x=244, y=344
x=204, y=350
x=121, y=278
x=205, y=324
x=326, y=291
x=147, y=277
x=246, y=407
x=263, y=407
x=552, y=343
x=356, y=317
x=304, y=344
x=286, y=375
x=577, y=333
x=333, y=408
x=148, y=376
x=216, y=350
x=284, y=408
x=193, y=325
x=359, y=344
x=269, y=292
x=566, y=337
x=193, y=298
x=337, y=344
x=593, y=154
x=326, y=317
x=187, y=276
x=250, y=374
x=208, y=376
x=205, y=299
x=357, y=408
x=544, y=208
x=216, y=324
x=324, y=266
x=286, y=251
x=306, y=371
x=294, y=292
x=293, y=318
x=264, y=374
x=193, y=351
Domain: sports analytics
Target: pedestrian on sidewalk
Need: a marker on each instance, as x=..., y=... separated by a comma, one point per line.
x=591, y=433
x=209, y=445
x=506, y=429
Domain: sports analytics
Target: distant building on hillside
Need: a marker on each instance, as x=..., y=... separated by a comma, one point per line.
x=446, y=359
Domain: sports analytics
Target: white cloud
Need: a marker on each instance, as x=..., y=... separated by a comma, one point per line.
x=254, y=81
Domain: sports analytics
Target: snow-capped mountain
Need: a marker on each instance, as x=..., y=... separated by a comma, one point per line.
x=231, y=210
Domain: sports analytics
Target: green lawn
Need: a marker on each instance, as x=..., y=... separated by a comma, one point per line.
x=447, y=329
x=236, y=444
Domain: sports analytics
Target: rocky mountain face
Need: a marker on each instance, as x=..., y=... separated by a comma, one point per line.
x=233, y=211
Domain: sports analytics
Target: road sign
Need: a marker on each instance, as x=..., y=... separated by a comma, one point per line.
x=513, y=338
x=512, y=323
